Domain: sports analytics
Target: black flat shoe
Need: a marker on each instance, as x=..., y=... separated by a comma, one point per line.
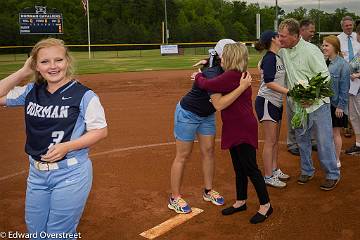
x=258, y=217
x=232, y=210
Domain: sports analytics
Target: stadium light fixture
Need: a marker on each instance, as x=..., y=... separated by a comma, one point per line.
x=166, y=27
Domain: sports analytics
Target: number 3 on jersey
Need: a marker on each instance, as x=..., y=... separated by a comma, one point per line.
x=57, y=137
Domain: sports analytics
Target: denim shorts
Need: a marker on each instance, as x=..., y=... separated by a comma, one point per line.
x=187, y=124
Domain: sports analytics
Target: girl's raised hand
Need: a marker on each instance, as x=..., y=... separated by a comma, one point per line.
x=27, y=67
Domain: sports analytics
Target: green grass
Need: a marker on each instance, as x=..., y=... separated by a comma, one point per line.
x=122, y=61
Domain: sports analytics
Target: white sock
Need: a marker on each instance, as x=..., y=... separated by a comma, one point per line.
x=357, y=144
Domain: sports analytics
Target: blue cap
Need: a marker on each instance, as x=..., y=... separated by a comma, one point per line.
x=267, y=36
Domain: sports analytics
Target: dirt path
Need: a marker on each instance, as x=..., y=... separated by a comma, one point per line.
x=131, y=185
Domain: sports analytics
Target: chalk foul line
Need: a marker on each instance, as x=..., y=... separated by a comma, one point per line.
x=116, y=151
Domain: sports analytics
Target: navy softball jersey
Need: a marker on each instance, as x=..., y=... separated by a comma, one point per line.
x=57, y=117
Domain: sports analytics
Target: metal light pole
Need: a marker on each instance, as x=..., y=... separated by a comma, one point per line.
x=88, y=23
x=319, y=23
x=166, y=27
x=258, y=26
x=276, y=16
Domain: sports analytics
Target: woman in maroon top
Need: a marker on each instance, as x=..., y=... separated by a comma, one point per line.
x=239, y=130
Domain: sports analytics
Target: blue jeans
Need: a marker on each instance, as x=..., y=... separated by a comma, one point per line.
x=55, y=199
x=320, y=121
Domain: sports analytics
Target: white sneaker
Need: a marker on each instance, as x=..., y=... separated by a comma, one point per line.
x=274, y=182
x=338, y=164
x=279, y=174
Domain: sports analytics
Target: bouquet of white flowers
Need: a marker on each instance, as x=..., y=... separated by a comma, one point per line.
x=308, y=92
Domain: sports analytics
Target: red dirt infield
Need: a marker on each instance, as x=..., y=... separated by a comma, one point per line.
x=132, y=173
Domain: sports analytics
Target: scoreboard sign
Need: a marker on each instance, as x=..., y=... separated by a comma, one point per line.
x=40, y=22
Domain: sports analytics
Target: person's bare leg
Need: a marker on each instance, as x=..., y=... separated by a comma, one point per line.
x=264, y=208
x=276, y=147
x=270, y=132
x=183, y=152
x=337, y=141
x=239, y=203
x=207, y=145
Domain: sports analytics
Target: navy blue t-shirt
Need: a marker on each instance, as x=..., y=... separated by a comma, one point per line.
x=197, y=100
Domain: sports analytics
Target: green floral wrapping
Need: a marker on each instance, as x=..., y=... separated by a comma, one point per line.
x=300, y=117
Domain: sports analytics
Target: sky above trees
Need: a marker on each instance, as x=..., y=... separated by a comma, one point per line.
x=325, y=5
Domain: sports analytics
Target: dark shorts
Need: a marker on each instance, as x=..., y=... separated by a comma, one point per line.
x=266, y=111
x=338, y=122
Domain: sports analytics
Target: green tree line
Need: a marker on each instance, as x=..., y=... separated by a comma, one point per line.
x=140, y=21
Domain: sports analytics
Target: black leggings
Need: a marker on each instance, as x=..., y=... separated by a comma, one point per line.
x=244, y=161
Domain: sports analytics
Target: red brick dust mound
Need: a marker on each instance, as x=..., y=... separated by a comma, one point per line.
x=132, y=173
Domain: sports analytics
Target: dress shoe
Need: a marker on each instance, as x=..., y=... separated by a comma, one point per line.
x=232, y=210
